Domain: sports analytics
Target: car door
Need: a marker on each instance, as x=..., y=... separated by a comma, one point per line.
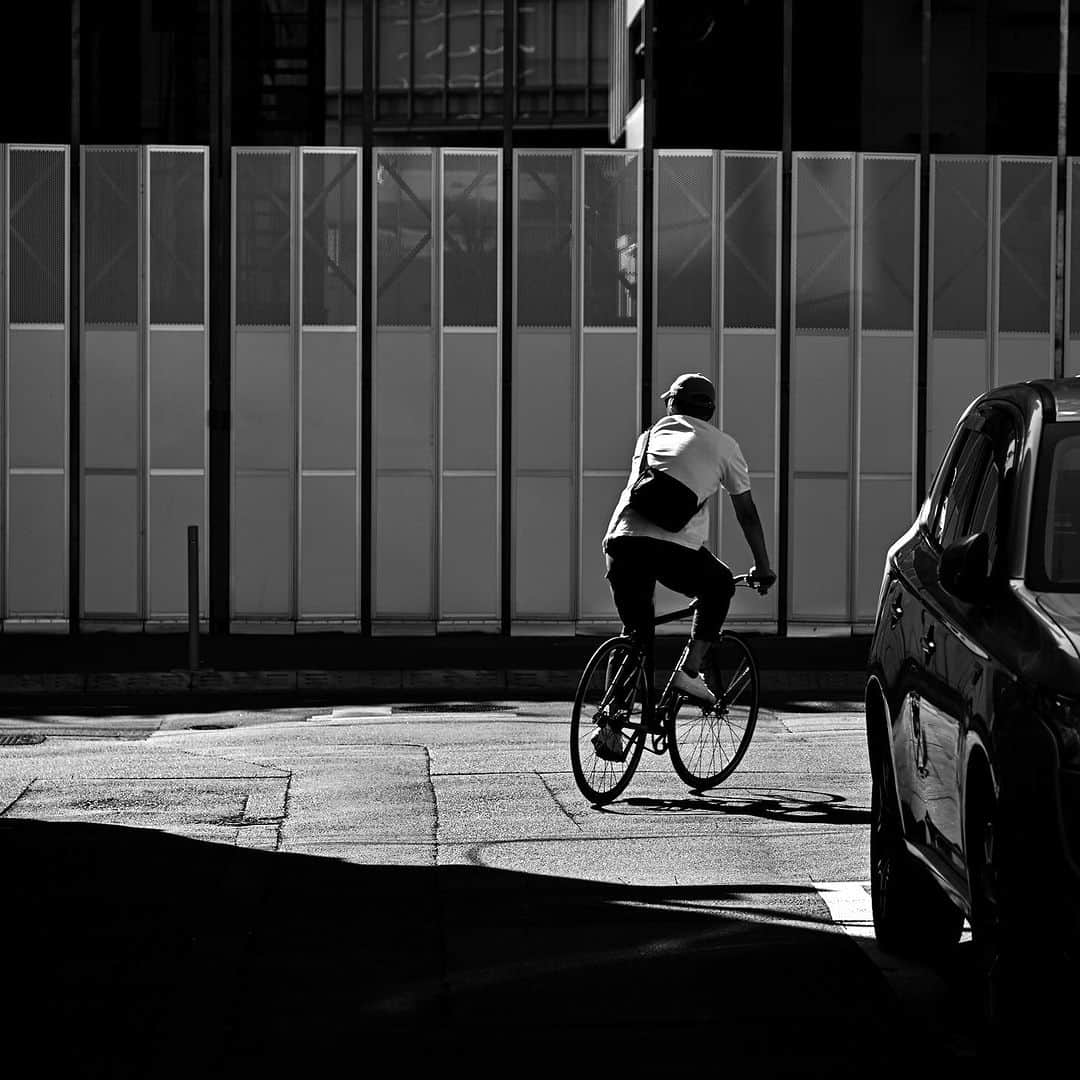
x=961, y=664
x=911, y=629
x=935, y=710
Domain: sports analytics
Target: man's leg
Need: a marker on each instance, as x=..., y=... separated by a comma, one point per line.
x=631, y=576
x=702, y=575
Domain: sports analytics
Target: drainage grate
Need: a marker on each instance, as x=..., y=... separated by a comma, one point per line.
x=459, y=707
x=21, y=740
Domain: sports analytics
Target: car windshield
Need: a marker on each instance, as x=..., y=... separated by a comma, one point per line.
x=1054, y=554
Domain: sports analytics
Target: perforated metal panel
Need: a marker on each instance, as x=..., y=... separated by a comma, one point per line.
x=750, y=230
x=403, y=189
x=1073, y=263
x=144, y=380
x=37, y=244
x=823, y=223
x=470, y=239
x=684, y=249
x=263, y=231
x=110, y=236
x=177, y=227
x=545, y=235
x=609, y=270
x=888, y=252
x=960, y=231
x=1025, y=265
x=330, y=239
x=822, y=378
x=34, y=352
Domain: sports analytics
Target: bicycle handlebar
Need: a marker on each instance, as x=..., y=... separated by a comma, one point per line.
x=743, y=581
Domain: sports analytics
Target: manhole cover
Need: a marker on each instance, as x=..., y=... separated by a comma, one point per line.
x=21, y=740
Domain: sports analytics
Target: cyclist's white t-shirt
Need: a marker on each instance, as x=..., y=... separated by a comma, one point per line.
x=699, y=454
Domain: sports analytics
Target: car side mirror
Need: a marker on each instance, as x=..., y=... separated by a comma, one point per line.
x=964, y=570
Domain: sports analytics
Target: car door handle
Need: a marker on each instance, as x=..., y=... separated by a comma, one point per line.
x=928, y=646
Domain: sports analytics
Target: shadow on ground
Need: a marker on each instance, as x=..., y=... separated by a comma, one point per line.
x=769, y=804
x=131, y=952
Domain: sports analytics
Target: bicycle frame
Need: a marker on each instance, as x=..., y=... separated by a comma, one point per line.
x=651, y=701
x=618, y=693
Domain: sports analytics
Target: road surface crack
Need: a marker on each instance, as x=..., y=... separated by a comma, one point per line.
x=558, y=802
x=11, y=804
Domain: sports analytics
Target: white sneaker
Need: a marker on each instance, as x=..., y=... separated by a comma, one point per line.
x=693, y=687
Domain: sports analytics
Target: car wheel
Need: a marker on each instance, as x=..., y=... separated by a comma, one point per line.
x=1007, y=966
x=912, y=916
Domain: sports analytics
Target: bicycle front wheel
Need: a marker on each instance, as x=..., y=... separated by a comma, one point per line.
x=607, y=731
x=707, y=743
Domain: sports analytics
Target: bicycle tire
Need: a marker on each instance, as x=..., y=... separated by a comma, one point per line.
x=707, y=743
x=598, y=779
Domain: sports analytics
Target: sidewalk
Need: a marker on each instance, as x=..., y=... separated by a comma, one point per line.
x=317, y=666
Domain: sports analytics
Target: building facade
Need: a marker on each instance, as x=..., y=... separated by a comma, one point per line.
x=378, y=295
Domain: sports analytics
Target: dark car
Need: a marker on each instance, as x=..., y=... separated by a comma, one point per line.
x=973, y=700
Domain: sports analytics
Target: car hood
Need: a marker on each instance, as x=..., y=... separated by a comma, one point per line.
x=1063, y=609
x=1043, y=638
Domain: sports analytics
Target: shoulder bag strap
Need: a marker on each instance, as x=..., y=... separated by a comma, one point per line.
x=643, y=463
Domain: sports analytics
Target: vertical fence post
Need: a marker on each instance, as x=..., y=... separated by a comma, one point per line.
x=193, y=596
x=1060, y=299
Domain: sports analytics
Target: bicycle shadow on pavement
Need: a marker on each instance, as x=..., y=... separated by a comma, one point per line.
x=134, y=952
x=770, y=804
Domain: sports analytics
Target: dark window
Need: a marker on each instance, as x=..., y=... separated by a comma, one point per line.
x=891, y=76
x=37, y=69
x=344, y=66
x=278, y=72
x=993, y=506
x=562, y=51
x=1054, y=547
x=984, y=514
x=966, y=468
x=994, y=77
x=826, y=70
x=145, y=71
x=718, y=72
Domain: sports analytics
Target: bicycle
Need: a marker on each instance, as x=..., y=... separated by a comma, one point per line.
x=615, y=702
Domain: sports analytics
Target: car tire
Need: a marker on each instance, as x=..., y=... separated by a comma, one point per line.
x=1015, y=987
x=912, y=916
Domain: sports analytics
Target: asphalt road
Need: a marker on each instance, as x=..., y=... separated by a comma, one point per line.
x=285, y=891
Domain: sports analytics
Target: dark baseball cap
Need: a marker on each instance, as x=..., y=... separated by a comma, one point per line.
x=693, y=389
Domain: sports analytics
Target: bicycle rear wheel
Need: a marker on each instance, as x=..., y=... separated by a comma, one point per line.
x=608, y=707
x=707, y=743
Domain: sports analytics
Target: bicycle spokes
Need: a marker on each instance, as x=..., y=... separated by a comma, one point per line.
x=708, y=741
x=606, y=729
x=740, y=683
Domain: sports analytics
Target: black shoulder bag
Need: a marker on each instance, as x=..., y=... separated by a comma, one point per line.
x=660, y=498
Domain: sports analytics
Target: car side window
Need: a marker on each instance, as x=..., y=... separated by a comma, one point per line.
x=984, y=514
x=948, y=483
x=962, y=488
x=993, y=503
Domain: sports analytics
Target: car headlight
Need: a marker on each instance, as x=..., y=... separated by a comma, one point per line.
x=1063, y=715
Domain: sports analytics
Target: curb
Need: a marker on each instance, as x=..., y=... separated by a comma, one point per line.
x=424, y=682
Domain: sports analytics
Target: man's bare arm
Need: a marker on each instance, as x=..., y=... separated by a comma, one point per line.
x=747, y=516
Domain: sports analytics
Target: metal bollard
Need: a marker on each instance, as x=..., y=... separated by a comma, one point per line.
x=193, y=596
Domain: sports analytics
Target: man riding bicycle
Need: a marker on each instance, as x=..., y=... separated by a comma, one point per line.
x=639, y=552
